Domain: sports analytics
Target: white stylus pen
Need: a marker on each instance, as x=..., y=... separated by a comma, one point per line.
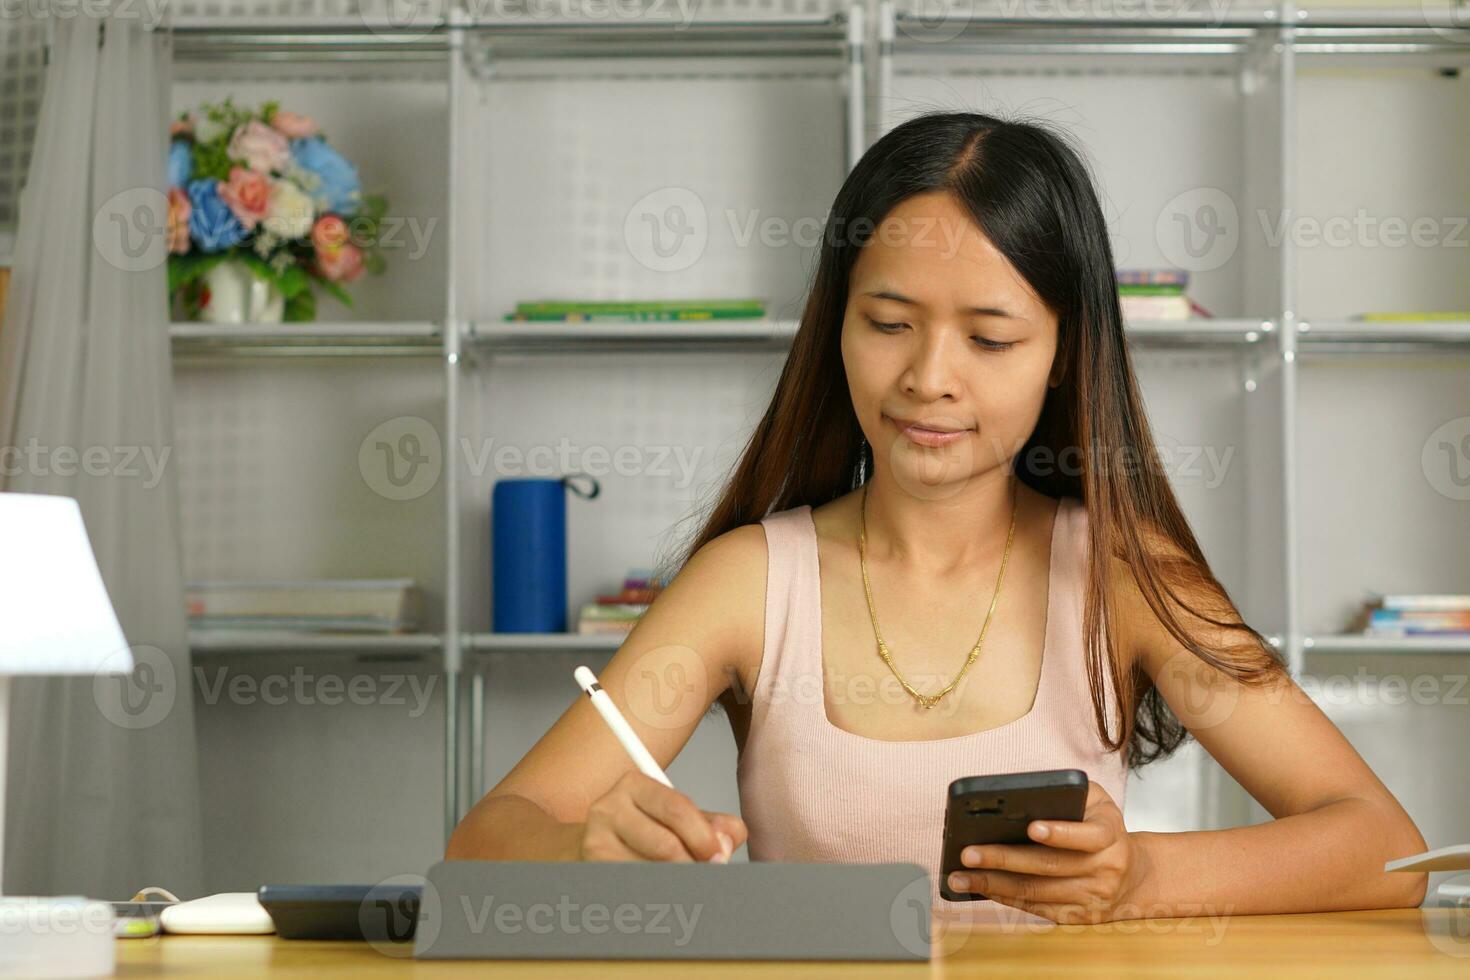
x=615, y=720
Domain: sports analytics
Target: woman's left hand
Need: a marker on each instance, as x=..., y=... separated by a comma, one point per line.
x=1079, y=871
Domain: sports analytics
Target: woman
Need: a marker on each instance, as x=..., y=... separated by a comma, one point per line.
x=957, y=446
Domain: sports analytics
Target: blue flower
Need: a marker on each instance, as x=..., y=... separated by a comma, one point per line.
x=339, y=189
x=180, y=162
x=212, y=224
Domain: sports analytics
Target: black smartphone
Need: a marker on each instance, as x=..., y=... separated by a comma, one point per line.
x=996, y=810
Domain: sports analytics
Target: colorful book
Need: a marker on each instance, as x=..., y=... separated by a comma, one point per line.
x=755, y=307
x=1175, y=307
x=1152, y=277
x=375, y=605
x=1432, y=603
x=1411, y=317
x=641, y=317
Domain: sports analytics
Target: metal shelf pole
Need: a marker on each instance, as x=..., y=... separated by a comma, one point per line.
x=453, y=637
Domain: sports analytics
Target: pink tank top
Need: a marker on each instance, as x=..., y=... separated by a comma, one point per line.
x=810, y=791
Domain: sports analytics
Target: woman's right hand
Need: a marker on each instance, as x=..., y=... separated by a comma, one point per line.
x=641, y=819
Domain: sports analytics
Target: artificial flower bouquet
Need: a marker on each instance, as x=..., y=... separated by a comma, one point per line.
x=263, y=189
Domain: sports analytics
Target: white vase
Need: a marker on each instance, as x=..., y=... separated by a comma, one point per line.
x=238, y=295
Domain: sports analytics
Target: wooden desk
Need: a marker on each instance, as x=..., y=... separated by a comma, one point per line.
x=1385, y=943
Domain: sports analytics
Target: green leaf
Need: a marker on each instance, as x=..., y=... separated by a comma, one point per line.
x=185, y=269
x=373, y=206
x=211, y=160
x=293, y=281
x=301, y=307
x=343, y=297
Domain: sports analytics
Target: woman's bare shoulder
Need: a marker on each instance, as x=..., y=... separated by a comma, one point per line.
x=720, y=593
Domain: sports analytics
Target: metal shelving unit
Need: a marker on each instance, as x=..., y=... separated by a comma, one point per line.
x=1357, y=336
x=1278, y=335
x=305, y=339
x=601, y=336
x=1355, y=643
x=553, y=642
x=275, y=641
x=354, y=43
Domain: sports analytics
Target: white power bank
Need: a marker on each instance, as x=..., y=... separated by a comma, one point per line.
x=226, y=913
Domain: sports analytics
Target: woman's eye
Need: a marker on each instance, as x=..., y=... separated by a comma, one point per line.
x=981, y=342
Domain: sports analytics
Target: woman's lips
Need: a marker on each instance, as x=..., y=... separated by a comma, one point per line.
x=926, y=436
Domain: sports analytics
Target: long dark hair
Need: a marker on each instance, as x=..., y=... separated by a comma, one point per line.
x=1028, y=190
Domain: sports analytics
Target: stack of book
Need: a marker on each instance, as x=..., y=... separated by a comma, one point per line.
x=619, y=613
x=341, y=605
x=1156, y=294
x=1411, y=317
x=1415, y=615
x=580, y=311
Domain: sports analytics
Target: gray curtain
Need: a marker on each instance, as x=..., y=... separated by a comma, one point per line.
x=103, y=794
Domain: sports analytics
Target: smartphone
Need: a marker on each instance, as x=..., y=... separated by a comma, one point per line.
x=996, y=810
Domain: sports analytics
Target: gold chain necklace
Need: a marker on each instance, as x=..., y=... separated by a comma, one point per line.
x=929, y=700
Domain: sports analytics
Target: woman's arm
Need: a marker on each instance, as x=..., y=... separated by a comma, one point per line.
x=1335, y=823
x=665, y=675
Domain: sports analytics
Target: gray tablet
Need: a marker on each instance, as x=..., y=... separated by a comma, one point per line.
x=616, y=910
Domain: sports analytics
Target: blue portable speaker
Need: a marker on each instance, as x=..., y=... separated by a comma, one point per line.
x=529, y=553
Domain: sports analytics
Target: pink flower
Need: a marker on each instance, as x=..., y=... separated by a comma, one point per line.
x=179, y=210
x=294, y=125
x=342, y=264
x=247, y=194
x=181, y=127
x=329, y=233
x=262, y=148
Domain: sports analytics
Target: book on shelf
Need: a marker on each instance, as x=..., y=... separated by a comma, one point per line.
x=1410, y=316
x=1414, y=615
x=1430, y=602
x=1176, y=279
x=619, y=613
x=622, y=311
x=1157, y=294
x=634, y=305
x=1175, y=307
x=660, y=316
x=313, y=605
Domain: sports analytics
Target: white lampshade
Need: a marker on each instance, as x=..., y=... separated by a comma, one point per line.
x=55, y=617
